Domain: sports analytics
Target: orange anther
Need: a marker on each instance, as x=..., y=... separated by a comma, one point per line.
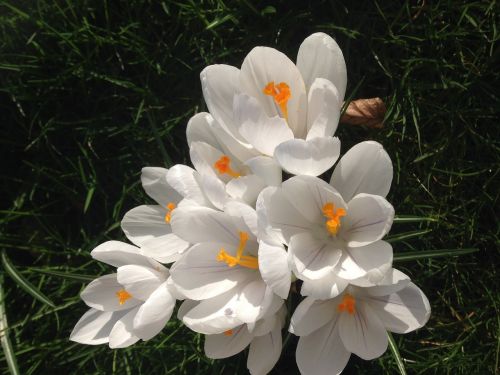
x=333, y=216
x=348, y=304
x=170, y=207
x=229, y=332
x=281, y=94
x=123, y=296
x=247, y=261
x=223, y=166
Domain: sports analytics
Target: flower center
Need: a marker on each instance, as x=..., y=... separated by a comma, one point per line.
x=348, y=304
x=281, y=94
x=123, y=296
x=247, y=261
x=170, y=207
x=333, y=215
x=229, y=332
x=223, y=166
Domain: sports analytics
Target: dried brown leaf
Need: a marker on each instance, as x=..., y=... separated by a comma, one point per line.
x=369, y=112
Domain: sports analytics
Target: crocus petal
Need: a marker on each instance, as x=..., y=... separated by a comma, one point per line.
x=313, y=258
x=312, y=157
x=244, y=212
x=184, y=180
x=203, y=156
x=154, y=313
x=199, y=129
x=256, y=300
x=145, y=222
x=155, y=185
x=321, y=57
x=404, y=311
x=369, y=219
x=214, y=189
x=199, y=275
x=362, y=332
x=323, y=109
x=267, y=169
x=329, y=286
x=262, y=132
x=94, y=326
x=122, y=335
x=245, y=188
x=140, y=281
x=227, y=345
x=393, y=281
x=263, y=65
x=365, y=168
x=185, y=307
x=322, y=352
x=264, y=352
x=273, y=266
x=310, y=315
x=219, y=84
x=165, y=249
x=116, y=254
x=371, y=261
x=101, y=294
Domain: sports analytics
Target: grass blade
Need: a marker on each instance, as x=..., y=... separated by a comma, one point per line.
x=8, y=350
x=412, y=219
x=66, y=275
x=396, y=355
x=406, y=235
x=23, y=283
x=414, y=255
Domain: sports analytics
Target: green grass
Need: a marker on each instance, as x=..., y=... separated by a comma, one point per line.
x=91, y=91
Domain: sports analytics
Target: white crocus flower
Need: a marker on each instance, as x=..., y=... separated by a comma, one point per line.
x=281, y=109
x=134, y=303
x=221, y=269
x=356, y=321
x=330, y=242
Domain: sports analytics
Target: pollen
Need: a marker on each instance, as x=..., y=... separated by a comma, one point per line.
x=281, y=94
x=246, y=261
x=170, y=207
x=223, y=166
x=333, y=215
x=123, y=296
x=229, y=332
x=348, y=304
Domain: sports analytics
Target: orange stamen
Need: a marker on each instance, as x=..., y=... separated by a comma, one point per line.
x=229, y=332
x=170, y=207
x=281, y=94
x=348, y=304
x=333, y=216
x=223, y=165
x=123, y=296
x=240, y=259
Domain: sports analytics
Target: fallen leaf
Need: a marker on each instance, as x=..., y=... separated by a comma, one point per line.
x=368, y=112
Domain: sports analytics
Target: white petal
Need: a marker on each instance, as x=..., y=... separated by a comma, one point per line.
x=393, y=281
x=404, y=311
x=231, y=145
x=312, y=157
x=203, y=156
x=140, y=281
x=245, y=212
x=185, y=307
x=365, y=168
x=309, y=194
x=265, y=231
x=267, y=169
x=183, y=179
x=369, y=218
x=310, y=315
x=202, y=224
x=214, y=189
x=323, y=109
x=313, y=258
x=116, y=253
x=199, y=275
x=265, y=325
x=263, y=65
x=255, y=301
x=154, y=313
x=122, y=335
x=363, y=333
x=94, y=327
x=199, y=129
x=101, y=295
x=264, y=352
x=165, y=249
x=321, y=57
x=214, y=315
x=223, y=346
x=371, y=261
x=145, y=222
x=262, y=132
x=245, y=188
x=219, y=84
x=273, y=266
x=329, y=286
x=322, y=352
x=154, y=182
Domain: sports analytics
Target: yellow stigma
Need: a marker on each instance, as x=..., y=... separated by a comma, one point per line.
x=333, y=215
x=123, y=296
x=240, y=259
x=170, y=207
x=223, y=165
x=229, y=332
x=348, y=304
x=281, y=94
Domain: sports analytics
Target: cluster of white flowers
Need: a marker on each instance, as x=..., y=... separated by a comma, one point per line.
x=237, y=236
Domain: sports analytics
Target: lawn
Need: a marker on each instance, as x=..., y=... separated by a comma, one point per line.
x=92, y=91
